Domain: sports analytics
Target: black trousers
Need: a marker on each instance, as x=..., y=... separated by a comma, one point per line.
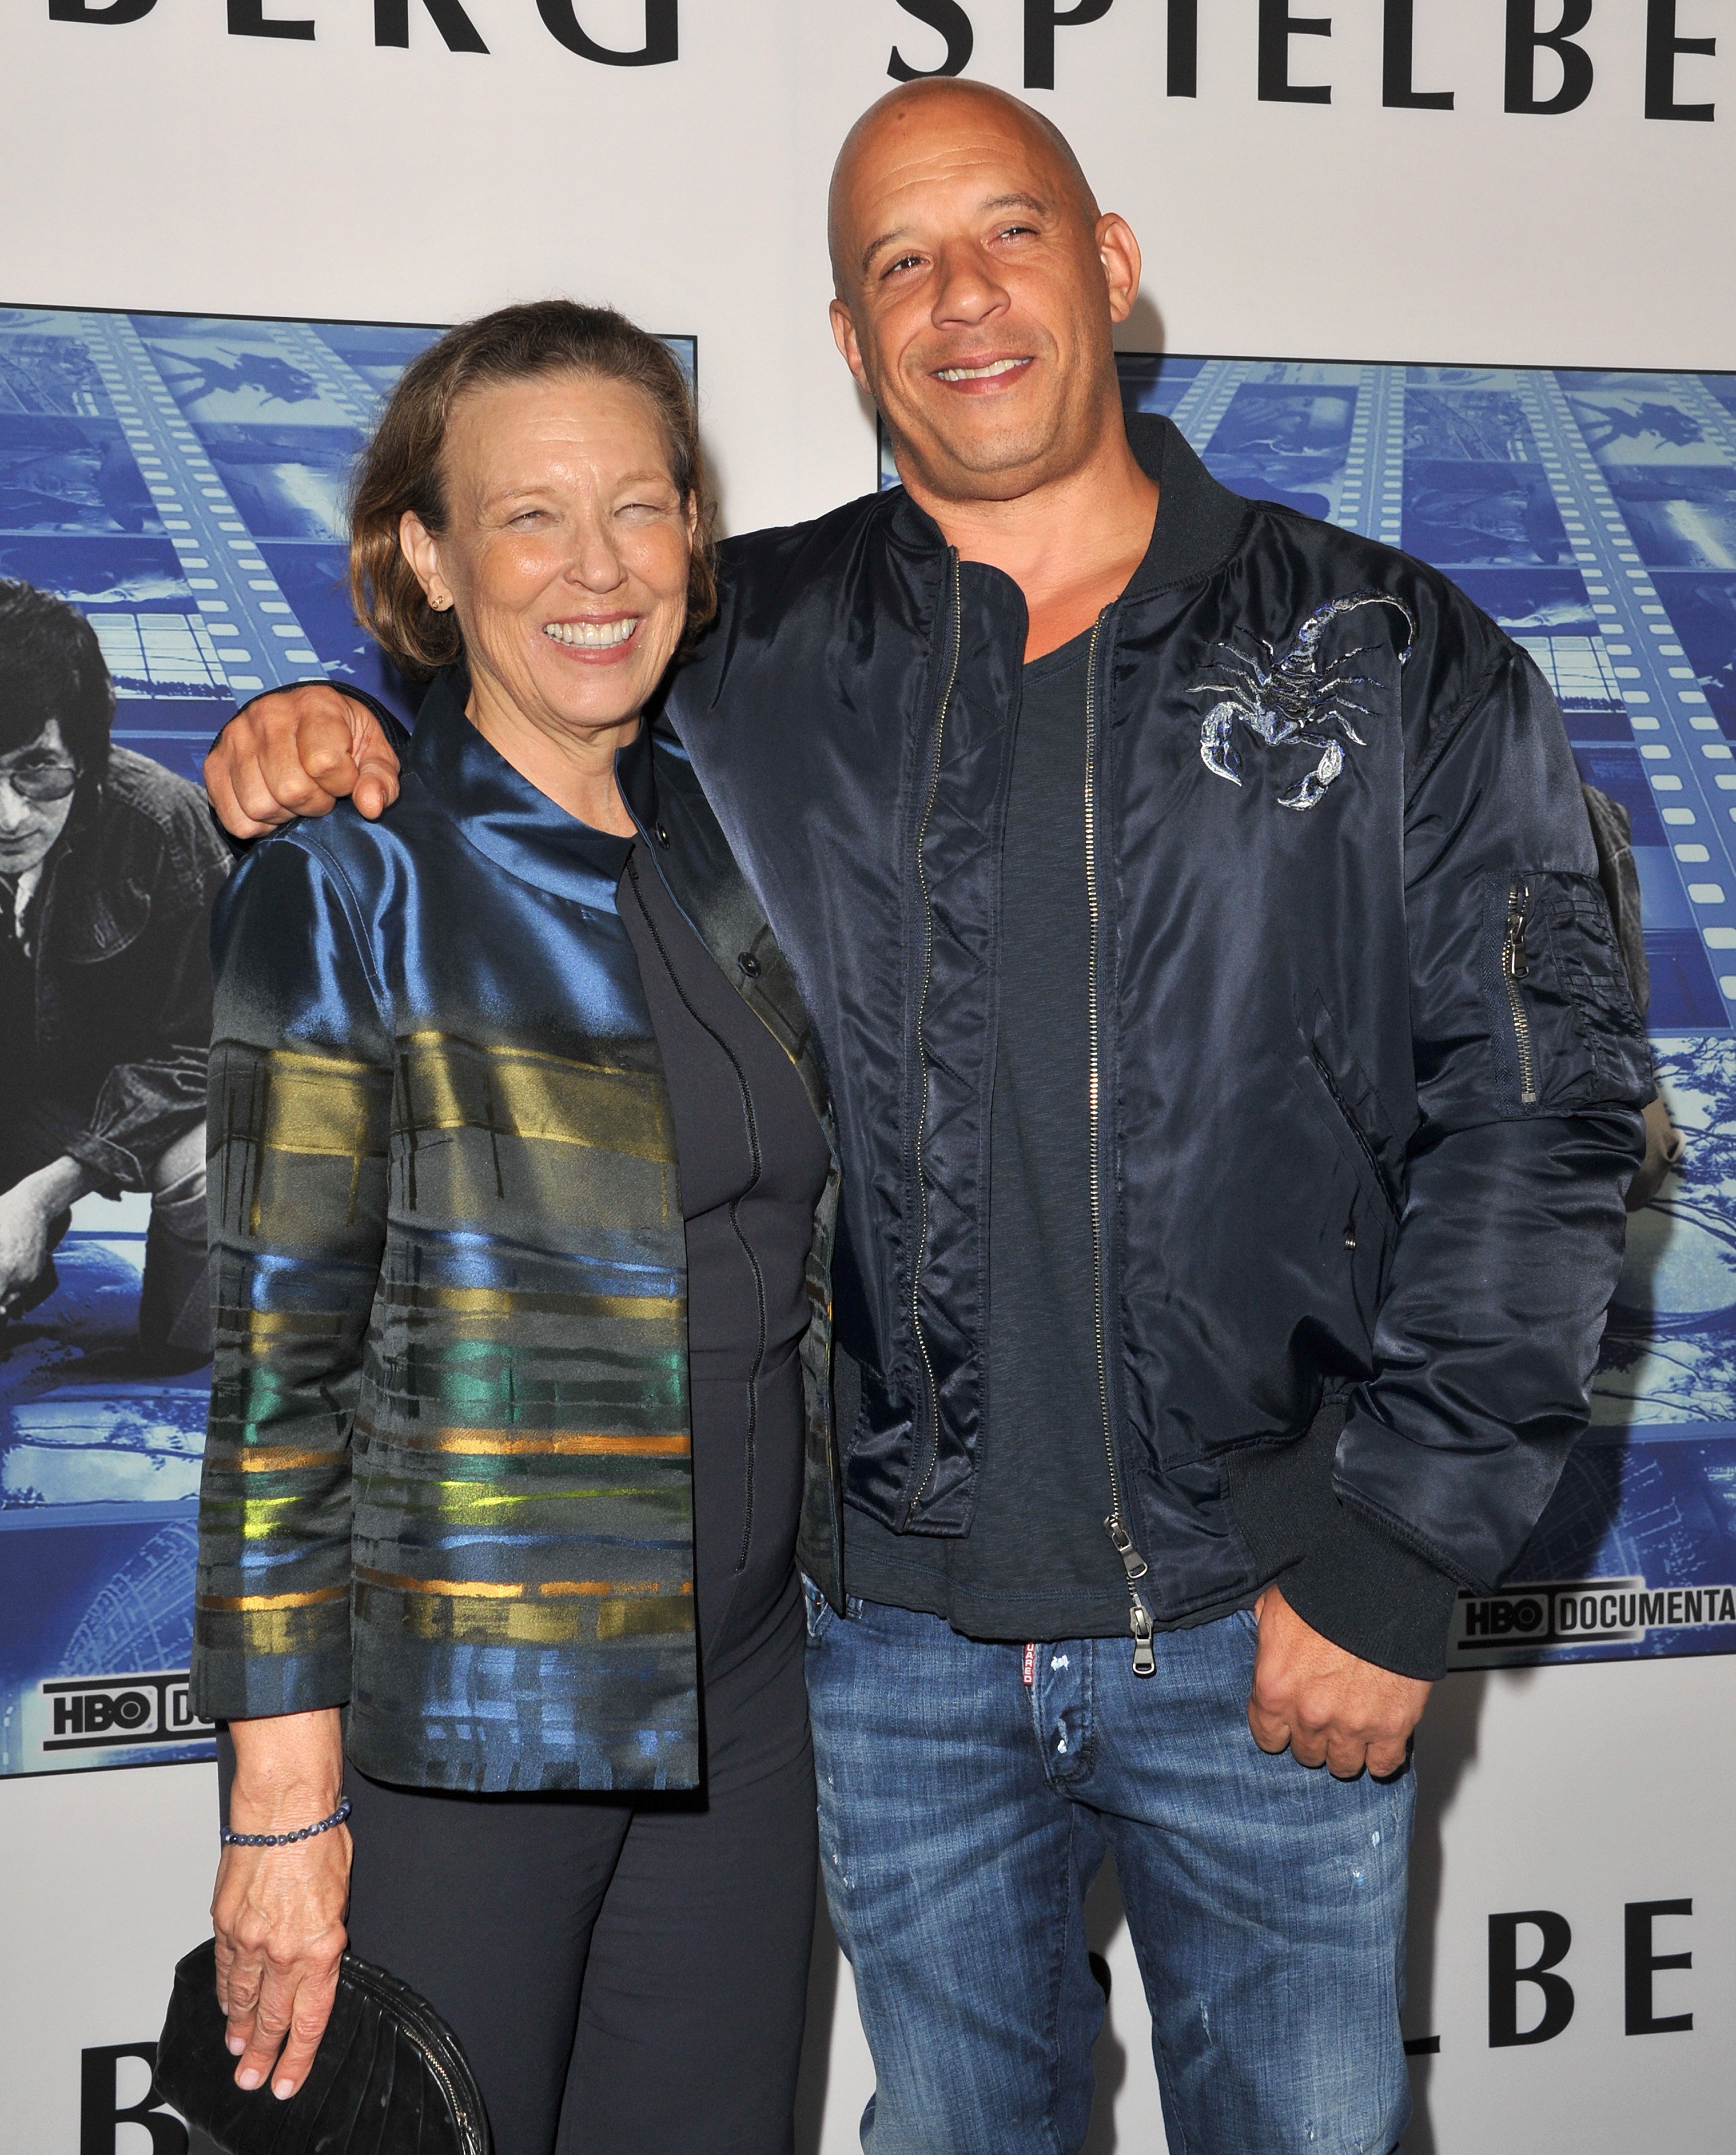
x=629, y=1978
x=626, y=1979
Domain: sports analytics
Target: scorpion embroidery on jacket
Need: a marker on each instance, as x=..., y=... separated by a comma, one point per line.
x=1296, y=695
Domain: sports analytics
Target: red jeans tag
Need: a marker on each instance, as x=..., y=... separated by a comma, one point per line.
x=1029, y=1665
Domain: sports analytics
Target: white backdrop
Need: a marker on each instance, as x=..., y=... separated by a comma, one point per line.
x=165, y=163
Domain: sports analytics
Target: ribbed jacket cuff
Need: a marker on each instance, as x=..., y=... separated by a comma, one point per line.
x=1340, y=1572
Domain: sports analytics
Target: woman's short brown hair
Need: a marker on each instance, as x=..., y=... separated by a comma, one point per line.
x=399, y=473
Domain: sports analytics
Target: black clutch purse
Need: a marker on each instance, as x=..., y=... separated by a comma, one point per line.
x=389, y=2078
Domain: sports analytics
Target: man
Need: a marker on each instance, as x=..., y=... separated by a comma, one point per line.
x=108, y=865
x=1235, y=1080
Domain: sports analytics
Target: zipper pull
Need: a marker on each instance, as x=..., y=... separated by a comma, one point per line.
x=1514, y=962
x=1138, y=1622
x=1132, y=1562
x=1139, y=1616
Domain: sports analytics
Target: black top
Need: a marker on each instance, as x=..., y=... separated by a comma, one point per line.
x=753, y=1161
x=1036, y=1563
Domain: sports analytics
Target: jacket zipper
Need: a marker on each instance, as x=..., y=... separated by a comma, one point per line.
x=1139, y=1615
x=1516, y=966
x=919, y=1257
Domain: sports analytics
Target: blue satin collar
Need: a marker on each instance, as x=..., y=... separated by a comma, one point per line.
x=500, y=811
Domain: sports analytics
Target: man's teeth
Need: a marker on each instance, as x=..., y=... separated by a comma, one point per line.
x=592, y=635
x=979, y=373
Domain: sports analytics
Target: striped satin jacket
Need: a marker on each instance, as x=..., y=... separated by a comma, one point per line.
x=447, y=1480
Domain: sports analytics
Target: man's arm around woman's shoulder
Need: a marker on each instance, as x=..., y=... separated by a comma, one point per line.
x=299, y=752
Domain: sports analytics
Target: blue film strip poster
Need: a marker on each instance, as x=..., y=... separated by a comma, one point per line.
x=179, y=480
x=1594, y=515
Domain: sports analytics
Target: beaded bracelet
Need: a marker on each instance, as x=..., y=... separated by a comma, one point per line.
x=283, y=1839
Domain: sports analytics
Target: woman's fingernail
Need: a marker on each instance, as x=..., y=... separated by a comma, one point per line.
x=235, y=2044
x=249, y=2079
x=283, y=2090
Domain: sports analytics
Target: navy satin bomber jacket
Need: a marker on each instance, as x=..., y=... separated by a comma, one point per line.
x=448, y=1476
x=1367, y=1071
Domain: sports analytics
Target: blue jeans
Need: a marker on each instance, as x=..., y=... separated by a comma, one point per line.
x=963, y=1817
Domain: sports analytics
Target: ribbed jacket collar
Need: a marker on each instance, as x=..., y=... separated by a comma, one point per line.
x=1199, y=522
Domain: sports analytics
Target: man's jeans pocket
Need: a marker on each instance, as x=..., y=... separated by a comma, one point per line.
x=821, y=1614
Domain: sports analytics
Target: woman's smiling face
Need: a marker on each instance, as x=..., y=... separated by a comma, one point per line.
x=566, y=552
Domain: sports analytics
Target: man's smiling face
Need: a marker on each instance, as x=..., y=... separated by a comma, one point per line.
x=975, y=301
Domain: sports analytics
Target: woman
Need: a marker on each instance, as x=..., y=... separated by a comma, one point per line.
x=521, y=1214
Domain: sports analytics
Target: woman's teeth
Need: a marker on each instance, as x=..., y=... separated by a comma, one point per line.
x=980, y=373
x=592, y=635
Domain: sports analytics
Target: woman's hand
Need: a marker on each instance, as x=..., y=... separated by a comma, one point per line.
x=279, y=1912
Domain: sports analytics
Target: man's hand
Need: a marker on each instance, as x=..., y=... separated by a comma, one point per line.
x=27, y=1211
x=296, y=753
x=1665, y=1145
x=24, y=1241
x=1329, y=1707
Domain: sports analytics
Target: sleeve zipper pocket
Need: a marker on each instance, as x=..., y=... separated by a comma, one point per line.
x=1516, y=966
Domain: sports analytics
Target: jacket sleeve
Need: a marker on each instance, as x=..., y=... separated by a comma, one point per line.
x=1532, y=1065
x=146, y=1104
x=300, y=1093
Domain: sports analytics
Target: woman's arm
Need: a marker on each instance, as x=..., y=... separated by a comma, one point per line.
x=300, y=1096
x=279, y=1912
x=299, y=1111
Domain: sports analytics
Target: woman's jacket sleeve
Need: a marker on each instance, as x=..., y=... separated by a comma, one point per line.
x=300, y=1096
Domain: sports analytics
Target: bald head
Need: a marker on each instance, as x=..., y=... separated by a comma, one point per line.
x=940, y=112
x=977, y=289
